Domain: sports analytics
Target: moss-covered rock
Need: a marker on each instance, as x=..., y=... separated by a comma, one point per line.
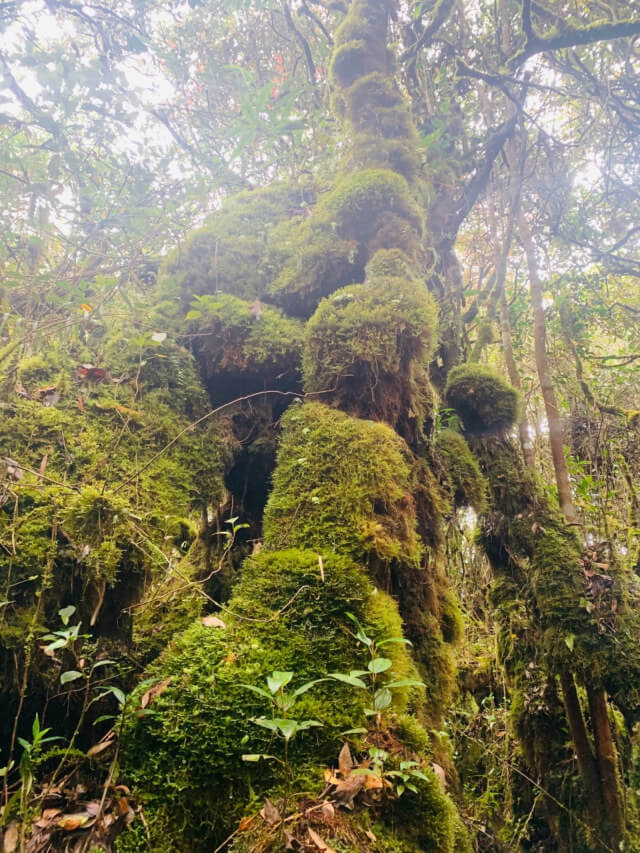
x=483, y=399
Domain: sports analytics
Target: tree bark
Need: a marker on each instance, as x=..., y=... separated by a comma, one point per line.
x=544, y=374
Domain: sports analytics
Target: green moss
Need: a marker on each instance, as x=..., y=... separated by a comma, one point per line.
x=389, y=263
x=244, y=347
x=349, y=61
x=284, y=615
x=464, y=480
x=483, y=399
x=342, y=484
x=355, y=203
x=100, y=531
x=370, y=344
x=230, y=252
x=317, y=262
x=38, y=371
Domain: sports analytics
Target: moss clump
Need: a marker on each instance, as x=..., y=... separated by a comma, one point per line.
x=316, y=261
x=370, y=345
x=230, y=252
x=244, y=347
x=464, y=481
x=355, y=203
x=185, y=755
x=485, y=402
x=342, y=484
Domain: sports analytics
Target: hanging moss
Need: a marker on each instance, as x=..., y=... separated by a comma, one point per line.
x=369, y=345
x=485, y=401
x=185, y=755
x=342, y=484
x=230, y=252
x=465, y=482
x=243, y=347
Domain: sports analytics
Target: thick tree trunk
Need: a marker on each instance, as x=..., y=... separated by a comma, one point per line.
x=613, y=820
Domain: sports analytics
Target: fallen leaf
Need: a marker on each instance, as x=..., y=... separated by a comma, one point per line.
x=329, y=778
x=93, y=374
x=372, y=782
x=439, y=771
x=80, y=403
x=370, y=835
x=97, y=748
x=345, y=761
x=159, y=337
x=14, y=471
x=123, y=805
x=346, y=791
x=70, y=822
x=328, y=812
x=245, y=823
x=212, y=622
x=270, y=813
x=320, y=843
x=43, y=465
x=155, y=691
x=49, y=814
x=10, y=838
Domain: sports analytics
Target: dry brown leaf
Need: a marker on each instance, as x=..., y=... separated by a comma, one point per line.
x=73, y=821
x=155, y=691
x=270, y=813
x=345, y=761
x=328, y=812
x=346, y=791
x=372, y=782
x=97, y=748
x=10, y=841
x=212, y=622
x=370, y=835
x=123, y=805
x=439, y=771
x=49, y=814
x=320, y=843
x=245, y=823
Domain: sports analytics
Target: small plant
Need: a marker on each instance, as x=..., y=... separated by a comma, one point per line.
x=369, y=679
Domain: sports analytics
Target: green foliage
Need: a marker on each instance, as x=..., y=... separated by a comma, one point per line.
x=483, y=399
x=342, y=484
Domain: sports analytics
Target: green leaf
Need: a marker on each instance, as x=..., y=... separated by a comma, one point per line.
x=66, y=613
x=361, y=634
x=303, y=688
x=259, y=690
x=379, y=665
x=401, y=640
x=382, y=699
x=351, y=679
x=277, y=680
x=70, y=675
x=570, y=640
x=405, y=682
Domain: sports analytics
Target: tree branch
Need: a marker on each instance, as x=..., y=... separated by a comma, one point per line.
x=571, y=37
x=440, y=16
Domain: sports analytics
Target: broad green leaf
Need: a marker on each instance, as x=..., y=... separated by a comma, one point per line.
x=277, y=680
